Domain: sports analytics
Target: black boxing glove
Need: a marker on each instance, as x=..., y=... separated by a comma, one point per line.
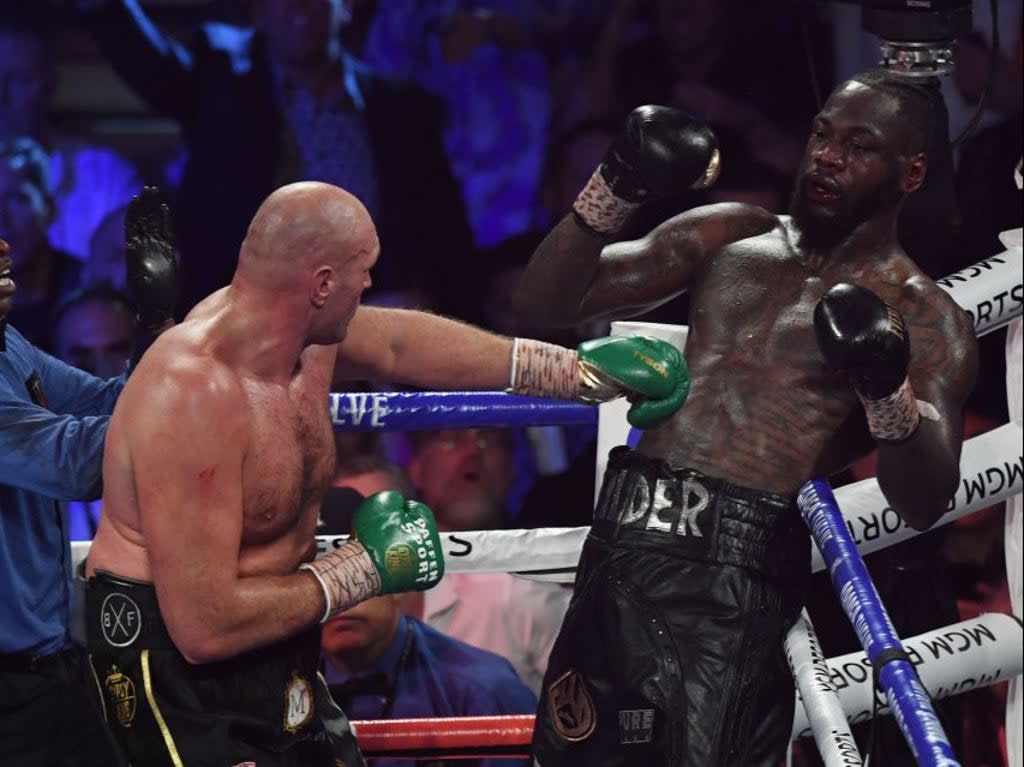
x=661, y=151
x=149, y=259
x=864, y=337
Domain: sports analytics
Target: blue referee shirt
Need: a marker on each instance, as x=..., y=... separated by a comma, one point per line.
x=53, y=420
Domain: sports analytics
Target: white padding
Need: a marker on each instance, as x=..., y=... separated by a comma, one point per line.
x=819, y=696
x=991, y=471
x=990, y=291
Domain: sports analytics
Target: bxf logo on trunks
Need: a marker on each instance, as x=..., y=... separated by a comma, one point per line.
x=669, y=506
x=120, y=620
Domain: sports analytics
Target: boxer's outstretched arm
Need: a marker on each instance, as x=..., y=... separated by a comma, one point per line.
x=423, y=349
x=188, y=436
x=575, y=275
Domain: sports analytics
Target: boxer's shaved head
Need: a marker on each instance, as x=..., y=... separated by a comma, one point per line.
x=299, y=225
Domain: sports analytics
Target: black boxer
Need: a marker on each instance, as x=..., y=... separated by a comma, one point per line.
x=265, y=708
x=671, y=652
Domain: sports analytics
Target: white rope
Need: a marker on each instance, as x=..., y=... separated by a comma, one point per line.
x=950, y=660
x=989, y=290
x=991, y=466
x=991, y=470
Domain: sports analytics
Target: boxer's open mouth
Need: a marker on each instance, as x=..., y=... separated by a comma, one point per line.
x=821, y=190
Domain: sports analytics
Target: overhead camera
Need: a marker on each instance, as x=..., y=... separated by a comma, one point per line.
x=917, y=35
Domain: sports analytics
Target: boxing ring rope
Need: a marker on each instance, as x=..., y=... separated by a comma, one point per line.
x=986, y=649
x=907, y=697
x=824, y=709
x=950, y=660
x=992, y=470
x=404, y=411
x=453, y=737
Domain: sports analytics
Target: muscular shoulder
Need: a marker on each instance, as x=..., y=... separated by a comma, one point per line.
x=923, y=300
x=942, y=337
x=185, y=379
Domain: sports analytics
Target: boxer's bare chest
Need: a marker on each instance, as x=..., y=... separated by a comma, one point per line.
x=290, y=460
x=763, y=408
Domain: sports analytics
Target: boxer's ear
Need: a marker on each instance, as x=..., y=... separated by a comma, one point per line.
x=323, y=284
x=915, y=168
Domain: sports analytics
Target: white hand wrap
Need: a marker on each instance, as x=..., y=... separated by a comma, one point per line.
x=895, y=417
x=544, y=370
x=541, y=369
x=599, y=209
x=347, y=577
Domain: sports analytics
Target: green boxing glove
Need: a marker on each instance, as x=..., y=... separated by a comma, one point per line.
x=396, y=548
x=651, y=373
x=402, y=540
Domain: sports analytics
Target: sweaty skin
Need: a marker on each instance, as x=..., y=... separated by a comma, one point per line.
x=763, y=410
x=220, y=448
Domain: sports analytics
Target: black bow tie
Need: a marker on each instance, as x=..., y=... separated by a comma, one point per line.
x=367, y=684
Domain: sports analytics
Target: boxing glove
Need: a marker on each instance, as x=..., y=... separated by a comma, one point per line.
x=661, y=151
x=152, y=271
x=652, y=373
x=864, y=337
x=396, y=548
x=402, y=540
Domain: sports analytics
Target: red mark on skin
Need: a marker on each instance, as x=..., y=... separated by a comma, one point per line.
x=207, y=474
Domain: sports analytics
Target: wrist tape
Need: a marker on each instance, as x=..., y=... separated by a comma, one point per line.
x=347, y=577
x=894, y=417
x=598, y=210
x=541, y=369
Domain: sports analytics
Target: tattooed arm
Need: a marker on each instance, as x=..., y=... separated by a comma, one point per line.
x=920, y=475
x=576, y=275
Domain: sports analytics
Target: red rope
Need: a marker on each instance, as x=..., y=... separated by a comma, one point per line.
x=461, y=737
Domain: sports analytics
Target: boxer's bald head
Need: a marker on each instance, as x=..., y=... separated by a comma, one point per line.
x=311, y=240
x=301, y=223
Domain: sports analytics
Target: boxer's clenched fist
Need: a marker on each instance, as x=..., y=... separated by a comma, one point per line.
x=401, y=538
x=651, y=373
x=396, y=548
x=864, y=337
x=661, y=151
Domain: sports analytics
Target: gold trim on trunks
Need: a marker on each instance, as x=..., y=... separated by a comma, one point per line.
x=147, y=682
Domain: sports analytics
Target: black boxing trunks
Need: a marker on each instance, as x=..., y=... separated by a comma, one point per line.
x=264, y=708
x=671, y=652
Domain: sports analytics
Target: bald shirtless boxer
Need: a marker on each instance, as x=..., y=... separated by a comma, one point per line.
x=203, y=596
x=812, y=340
